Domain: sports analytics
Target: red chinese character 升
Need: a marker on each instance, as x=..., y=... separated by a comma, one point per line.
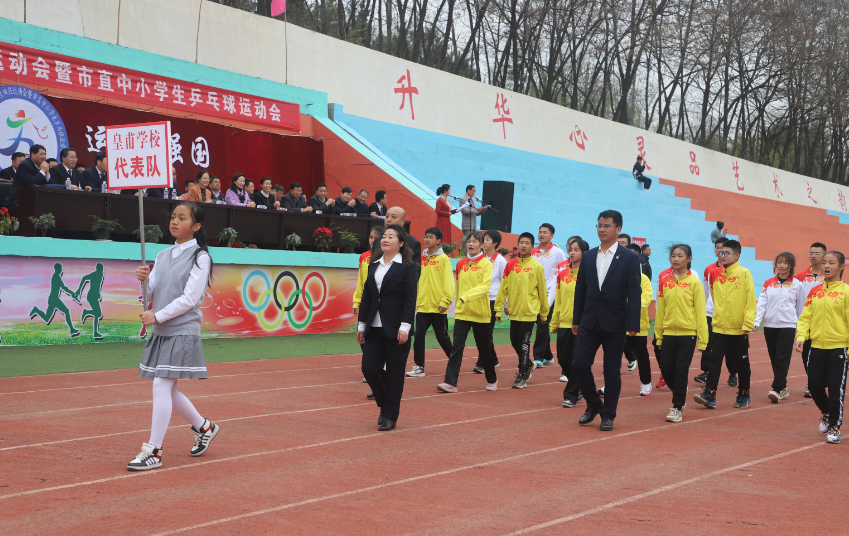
x=137, y=166
x=407, y=90
x=501, y=107
x=120, y=166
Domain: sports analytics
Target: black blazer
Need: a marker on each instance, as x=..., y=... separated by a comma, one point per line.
x=58, y=174
x=288, y=201
x=28, y=175
x=379, y=210
x=8, y=173
x=91, y=177
x=396, y=300
x=616, y=306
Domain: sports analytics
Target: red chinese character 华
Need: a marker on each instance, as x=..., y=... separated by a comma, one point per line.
x=501, y=107
x=405, y=90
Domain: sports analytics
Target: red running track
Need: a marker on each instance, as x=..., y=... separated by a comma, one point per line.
x=299, y=454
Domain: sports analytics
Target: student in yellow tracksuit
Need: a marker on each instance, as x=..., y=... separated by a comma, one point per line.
x=435, y=296
x=679, y=322
x=564, y=303
x=735, y=308
x=524, y=288
x=472, y=312
x=825, y=322
x=638, y=343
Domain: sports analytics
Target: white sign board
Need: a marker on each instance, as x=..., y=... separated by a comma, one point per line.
x=139, y=155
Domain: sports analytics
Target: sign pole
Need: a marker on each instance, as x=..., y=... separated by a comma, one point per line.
x=141, y=235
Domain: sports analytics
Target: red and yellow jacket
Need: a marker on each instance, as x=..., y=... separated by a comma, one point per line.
x=473, y=280
x=734, y=301
x=681, y=309
x=645, y=300
x=564, y=301
x=825, y=318
x=362, y=274
x=524, y=287
x=436, y=283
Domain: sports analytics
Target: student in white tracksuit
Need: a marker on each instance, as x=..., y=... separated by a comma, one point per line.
x=779, y=305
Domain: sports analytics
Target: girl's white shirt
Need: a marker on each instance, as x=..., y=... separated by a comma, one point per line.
x=194, y=289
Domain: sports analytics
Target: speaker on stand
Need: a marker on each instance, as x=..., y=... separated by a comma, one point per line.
x=499, y=194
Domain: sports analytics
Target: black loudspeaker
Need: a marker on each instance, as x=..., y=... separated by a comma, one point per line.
x=499, y=194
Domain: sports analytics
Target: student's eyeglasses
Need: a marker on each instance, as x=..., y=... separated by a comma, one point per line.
x=604, y=226
x=813, y=254
x=724, y=253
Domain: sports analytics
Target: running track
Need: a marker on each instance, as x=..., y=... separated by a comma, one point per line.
x=299, y=454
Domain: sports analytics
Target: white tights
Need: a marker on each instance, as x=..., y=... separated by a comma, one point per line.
x=166, y=396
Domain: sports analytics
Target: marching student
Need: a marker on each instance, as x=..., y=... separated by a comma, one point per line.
x=661, y=383
x=705, y=361
x=362, y=273
x=825, y=323
x=472, y=312
x=177, y=285
x=735, y=306
x=523, y=292
x=549, y=256
x=810, y=278
x=435, y=296
x=779, y=305
x=564, y=304
x=680, y=320
x=565, y=265
x=491, y=241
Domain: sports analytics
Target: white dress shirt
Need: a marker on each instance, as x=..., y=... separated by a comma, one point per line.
x=603, y=260
x=383, y=267
x=195, y=286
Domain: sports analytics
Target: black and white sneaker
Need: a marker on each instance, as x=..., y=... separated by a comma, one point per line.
x=568, y=404
x=732, y=380
x=204, y=437
x=150, y=457
x=632, y=365
x=521, y=381
x=701, y=378
x=478, y=369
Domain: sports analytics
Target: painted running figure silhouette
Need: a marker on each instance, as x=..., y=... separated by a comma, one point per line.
x=54, y=302
x=93, y=297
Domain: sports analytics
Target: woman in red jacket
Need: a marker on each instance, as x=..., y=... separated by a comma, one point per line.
x=444, y=212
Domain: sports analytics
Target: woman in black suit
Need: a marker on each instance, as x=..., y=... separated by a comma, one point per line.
x=386, y=315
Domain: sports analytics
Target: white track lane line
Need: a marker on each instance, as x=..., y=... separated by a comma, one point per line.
x=656, y=491
x=459, y=469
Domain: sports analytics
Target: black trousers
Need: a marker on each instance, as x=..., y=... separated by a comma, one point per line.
x=638, y=347
x=827, y=370
x=806, y=347
x=520, y=340
x=675, y=365
x=735, y=350
x=542, y=343
x=388, y=385
x=589, y=341
x=779, y=344
x=566, y=343
x=491, y=333
x=439, y=322
x=483, y=340
x=645, y=180
x=705, y=363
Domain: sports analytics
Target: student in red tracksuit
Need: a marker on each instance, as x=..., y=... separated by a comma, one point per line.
x=779, y=306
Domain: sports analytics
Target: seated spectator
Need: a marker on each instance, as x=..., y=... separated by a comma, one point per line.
x=236, y=194
x=33, y=171
x=51, y=163
x=345, y=204
x=278, y=192
x=264, y=197
x=320, y=202
x=215, y=189
x=59, y=174
x=638, y=170
x=9, y=173
x=361, y=206
x=249, y=187
x=199, y=193
x=95, y=176
x=718, y=233
x=80, y=167
x=295, y=198
x=379, y=205
x=188, y=185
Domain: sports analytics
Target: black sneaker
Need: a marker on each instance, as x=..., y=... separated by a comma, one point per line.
x=708, y=398
x=807, y=392
x=150, y=457
x=204, y=437
x=743, y=399
x=568, y=404
x=732, y=380
x=521, y=381
x=701, y=378
x=478, y=369
x=580, y=397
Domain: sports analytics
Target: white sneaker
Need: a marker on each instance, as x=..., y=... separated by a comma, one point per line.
x=204, y=437
x=824, y=423
x=492, y=386
x=674, y=415
x=446, y=388
x=632, y=365
x=417, y=372
x=645, y=389
x=150, y=457
x=783, y=394
x=774, y=396
x=563, y=378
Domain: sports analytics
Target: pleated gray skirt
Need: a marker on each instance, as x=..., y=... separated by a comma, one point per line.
x=177, y=356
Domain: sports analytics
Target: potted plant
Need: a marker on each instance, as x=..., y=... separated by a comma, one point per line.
x=8, y=224
x=504, y=251
x=103, y=229
x=348, y=241
x=43, y=223
x=448, y=249
x=293, y=241
x=152, y=234
x=227, y=236
x=321, y=238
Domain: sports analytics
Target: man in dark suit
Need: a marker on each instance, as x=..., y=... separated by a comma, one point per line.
x=295, y=199
x=31, y=172
x=607, y=305
x=10, y=172
x=66, y=170
x=95, y=176
x=320, y=202
x=398, y=216
x=379, y=205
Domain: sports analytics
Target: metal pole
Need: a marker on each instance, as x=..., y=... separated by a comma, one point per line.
x=141, y=235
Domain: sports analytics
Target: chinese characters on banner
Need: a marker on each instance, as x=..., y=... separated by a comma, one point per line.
x=641, y=150
x=694, y=168
x=405, y=90
x=737, y=181
x=503, y=111
x=54, y=70
x=579, y=137
x=139, y=155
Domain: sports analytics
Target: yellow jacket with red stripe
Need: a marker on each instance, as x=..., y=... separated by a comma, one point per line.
x=734, y=300
x=681, y=309
x=825, y=318
x=645, y=301
x=473, y=280
x=524, y=286
x=564, y=300
x=362, y=274
x=436, y=283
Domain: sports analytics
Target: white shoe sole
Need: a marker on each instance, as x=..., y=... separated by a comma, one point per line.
x=672, y=419
x=564, y=379
x=145, y=467
x=208, y=443
x=415, y=374
x=442, y=389
x=775, y=397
